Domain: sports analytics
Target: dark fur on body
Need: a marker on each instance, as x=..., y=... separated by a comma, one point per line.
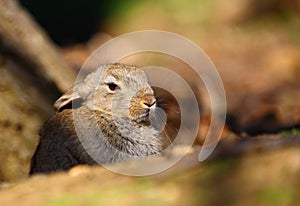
x=60, y=148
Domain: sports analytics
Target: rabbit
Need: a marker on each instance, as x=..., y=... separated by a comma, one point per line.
x=102, y=120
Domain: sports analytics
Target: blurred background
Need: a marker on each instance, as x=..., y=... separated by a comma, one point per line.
x=251, y=42
x=254, y=44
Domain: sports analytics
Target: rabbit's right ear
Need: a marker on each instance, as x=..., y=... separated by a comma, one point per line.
x=67, y=101
x=76, y=96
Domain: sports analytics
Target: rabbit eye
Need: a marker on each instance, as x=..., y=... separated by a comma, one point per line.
x=112, y=86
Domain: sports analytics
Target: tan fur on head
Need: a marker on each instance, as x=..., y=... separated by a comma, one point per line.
x=117, y=89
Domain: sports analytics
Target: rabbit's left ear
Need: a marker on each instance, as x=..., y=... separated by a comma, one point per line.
x=67, y=101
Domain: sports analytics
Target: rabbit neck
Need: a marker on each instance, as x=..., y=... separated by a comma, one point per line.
x=117, y=135
x=128, y=136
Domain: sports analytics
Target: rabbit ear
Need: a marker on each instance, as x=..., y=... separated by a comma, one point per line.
x=69, y=100
x=75, y=97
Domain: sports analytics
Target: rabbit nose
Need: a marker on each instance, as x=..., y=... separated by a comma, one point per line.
x=149, y=102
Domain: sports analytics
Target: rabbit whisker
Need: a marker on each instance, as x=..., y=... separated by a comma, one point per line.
x=164, y=122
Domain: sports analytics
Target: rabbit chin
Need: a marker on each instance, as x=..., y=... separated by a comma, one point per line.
x=142, y=118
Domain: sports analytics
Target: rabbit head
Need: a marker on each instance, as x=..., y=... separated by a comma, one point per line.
x=117, y=89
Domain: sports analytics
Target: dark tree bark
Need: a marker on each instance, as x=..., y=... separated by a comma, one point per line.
x=24, y=41
x=32, y=76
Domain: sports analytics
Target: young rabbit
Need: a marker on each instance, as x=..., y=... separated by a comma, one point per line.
x=105, y=119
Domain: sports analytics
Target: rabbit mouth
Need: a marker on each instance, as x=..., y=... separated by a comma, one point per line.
x=143, y=117
x=146, y=113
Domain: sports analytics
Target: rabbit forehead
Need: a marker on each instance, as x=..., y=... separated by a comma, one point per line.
x=137, y=80
x=130, y=77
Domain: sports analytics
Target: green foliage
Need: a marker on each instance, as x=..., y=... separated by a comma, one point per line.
x=292, y=131
x=276, y=196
